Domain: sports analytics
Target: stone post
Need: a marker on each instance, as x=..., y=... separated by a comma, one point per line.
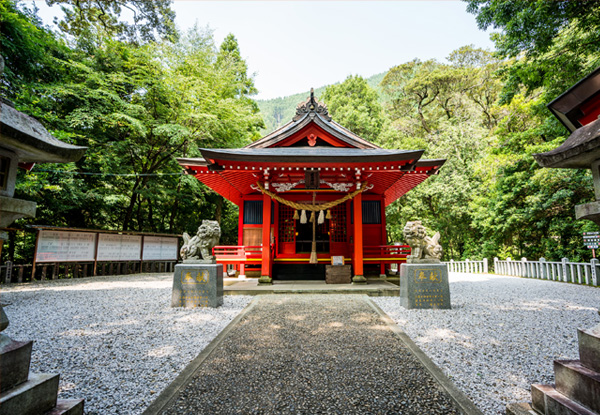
x=9, y=268
x=543, y=268
x=524, y=267
x=485, y=265
x=497, y=266
x=564, y=269
x=467, y=265
x=594, y=263
x=451, y=265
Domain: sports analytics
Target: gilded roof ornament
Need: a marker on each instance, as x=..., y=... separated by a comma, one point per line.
x=311, y=105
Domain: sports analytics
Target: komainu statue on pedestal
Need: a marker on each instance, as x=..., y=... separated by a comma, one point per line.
x=202, y=243
x=421, y=245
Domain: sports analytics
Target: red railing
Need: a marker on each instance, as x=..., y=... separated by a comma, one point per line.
x=238, y=256
x=388, y=254
x=246, y=255
x=231, y=254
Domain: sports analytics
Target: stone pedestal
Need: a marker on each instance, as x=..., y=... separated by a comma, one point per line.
x=424, y=285
x=22, y=392
x=197, y=285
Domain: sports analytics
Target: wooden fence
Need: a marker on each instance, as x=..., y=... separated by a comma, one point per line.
x=58, y=270
x=565, y=271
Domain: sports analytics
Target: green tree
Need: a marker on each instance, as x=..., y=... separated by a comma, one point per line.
x=557, y=42
x=136, y=107
x=144, y=20
x=27, y=49
x=354, y=104
x=525, y=210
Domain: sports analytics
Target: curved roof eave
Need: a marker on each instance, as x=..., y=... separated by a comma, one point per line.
x=310, y=154
x=27, y=137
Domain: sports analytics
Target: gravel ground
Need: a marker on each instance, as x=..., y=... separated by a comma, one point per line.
x=502, y=333
x=312, y=354
x=114, y=340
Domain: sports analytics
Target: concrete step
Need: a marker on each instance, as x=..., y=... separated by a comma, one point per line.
x=33, y=397
x=578, y=382
x=589, y=347
x=556, y=403
x=538, y=397
x=67, y=407
x=14, y=362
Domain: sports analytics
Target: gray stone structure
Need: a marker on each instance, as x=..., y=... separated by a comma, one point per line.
x=22, y=392
x=197, y=285
x=199, y=282
x=422, y=246
x=425, y=286
x=423, y=278
x=201, y=244
x=576, y=383
x=23, y=139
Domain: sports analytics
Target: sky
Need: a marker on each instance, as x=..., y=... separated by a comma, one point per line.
x=292, y=46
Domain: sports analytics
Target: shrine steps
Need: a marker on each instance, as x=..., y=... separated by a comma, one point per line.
x=577, y=388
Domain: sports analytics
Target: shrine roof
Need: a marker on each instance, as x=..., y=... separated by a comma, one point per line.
x=28, y=138
x=310, y=141
x=307, y=112
x=303, y=155
x=578, y=151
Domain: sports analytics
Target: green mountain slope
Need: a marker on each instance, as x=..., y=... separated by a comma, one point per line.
x=278, y=111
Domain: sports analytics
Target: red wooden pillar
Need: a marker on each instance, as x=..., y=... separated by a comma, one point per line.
x=265, y=273
x=383, y=237
x=241, y=267
x=358, y=242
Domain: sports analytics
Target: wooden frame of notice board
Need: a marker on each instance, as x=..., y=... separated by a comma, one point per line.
x=55, y=245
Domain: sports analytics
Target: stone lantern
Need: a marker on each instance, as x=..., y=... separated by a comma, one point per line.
x=23, y=142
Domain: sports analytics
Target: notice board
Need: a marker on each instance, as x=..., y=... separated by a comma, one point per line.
x=60, y=246
x=160, y=248
x=115, y=247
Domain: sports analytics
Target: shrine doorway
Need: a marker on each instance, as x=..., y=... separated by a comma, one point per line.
x=305, y=236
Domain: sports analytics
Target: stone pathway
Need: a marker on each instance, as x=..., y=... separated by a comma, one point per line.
x=311, y=354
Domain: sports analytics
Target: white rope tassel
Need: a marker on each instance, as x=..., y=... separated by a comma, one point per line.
x=321, y=217
x=303, y=216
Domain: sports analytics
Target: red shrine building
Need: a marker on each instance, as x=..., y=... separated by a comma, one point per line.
x=311, y=192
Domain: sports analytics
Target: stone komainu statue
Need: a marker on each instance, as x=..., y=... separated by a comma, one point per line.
x=421, y=245
x=202, y=243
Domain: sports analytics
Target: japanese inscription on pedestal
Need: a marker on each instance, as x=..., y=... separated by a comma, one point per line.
x=193, y=295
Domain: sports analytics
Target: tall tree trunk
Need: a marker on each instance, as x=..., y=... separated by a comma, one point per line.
x=132, y=199
x=423, y=122
x=175, y=205
x=151, y=224
x=140, y=218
